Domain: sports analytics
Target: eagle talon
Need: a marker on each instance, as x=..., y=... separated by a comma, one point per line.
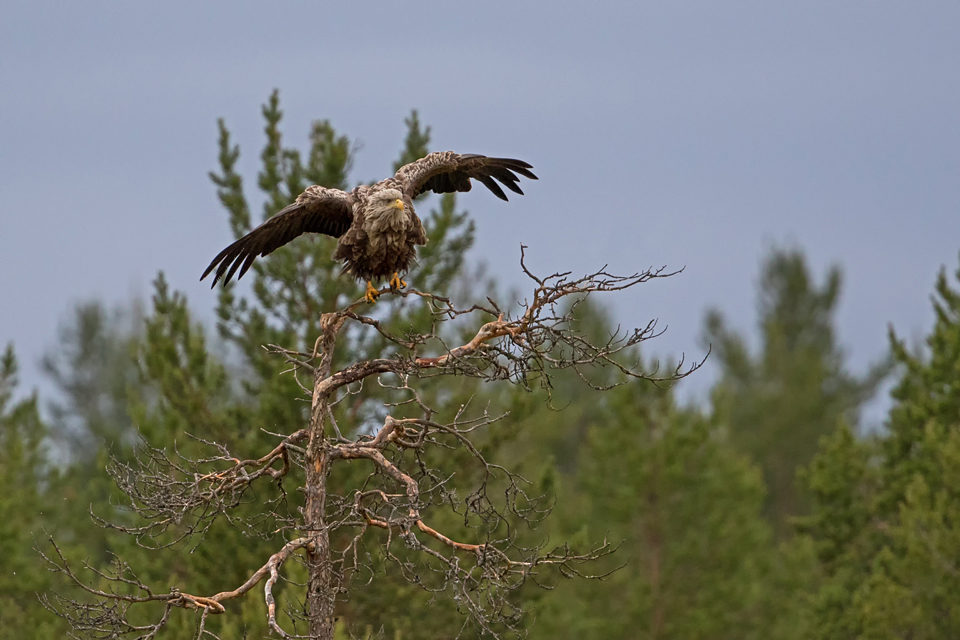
x=396, y=282
x=372, y=293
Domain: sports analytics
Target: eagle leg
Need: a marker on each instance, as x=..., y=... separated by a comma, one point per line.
x=396, y=282
x=372, y=293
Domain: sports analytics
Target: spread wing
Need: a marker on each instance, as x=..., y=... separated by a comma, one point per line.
x=317, y=210
x=446, y=171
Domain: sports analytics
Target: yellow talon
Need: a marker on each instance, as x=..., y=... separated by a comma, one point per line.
x=396, y=282
x=372, y=293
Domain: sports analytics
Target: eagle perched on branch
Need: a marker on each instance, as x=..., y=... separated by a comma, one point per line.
x=377, y=227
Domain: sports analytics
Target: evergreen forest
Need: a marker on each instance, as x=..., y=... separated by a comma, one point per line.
x=767, y=511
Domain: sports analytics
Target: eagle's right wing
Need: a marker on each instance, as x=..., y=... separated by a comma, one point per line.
x=317, y=210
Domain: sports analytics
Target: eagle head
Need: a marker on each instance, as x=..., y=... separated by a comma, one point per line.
x=385, y=211
x=390, y=199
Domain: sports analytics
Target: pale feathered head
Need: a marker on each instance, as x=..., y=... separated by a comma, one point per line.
x=389, y=199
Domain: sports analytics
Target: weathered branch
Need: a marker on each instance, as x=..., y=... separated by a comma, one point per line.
x=107, y=600
x=178, y=492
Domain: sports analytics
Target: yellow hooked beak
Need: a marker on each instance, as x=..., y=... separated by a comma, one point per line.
x=397, y=204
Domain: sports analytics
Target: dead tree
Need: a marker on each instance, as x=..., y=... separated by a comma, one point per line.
x=524, y=348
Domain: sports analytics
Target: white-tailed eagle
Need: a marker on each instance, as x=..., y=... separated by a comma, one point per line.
x=377, y=227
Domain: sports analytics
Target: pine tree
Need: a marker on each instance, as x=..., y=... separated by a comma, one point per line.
x=91, y=367
x=885, y=521
x=23, y=472
x=777, y=404
x=696, y=556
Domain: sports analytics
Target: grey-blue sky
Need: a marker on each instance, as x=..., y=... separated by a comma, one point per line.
x=674, y=133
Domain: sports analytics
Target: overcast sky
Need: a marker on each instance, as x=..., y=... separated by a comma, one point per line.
x=684, y=134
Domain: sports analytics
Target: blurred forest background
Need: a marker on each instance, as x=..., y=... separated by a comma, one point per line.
x=765, y=512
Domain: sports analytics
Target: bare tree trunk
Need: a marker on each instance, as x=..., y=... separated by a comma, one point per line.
x=321, y=590
x=321, y=587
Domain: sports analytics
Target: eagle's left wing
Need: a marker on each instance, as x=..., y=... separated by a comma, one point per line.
x=446, y=171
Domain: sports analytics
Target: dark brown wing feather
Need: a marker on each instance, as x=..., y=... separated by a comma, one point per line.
x=446, y=171
x=316, y=210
